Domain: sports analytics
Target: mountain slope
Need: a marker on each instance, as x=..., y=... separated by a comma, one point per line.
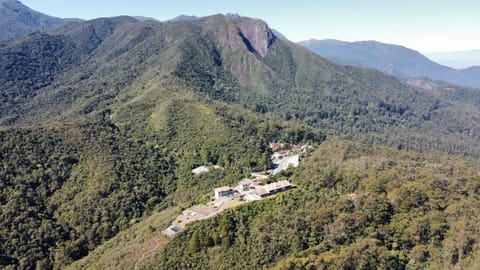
x=138, y=104
x=100, y=132
x=463, y=96
x=394, y=60
x=237, y=60
x=341, y=100
x=357, y=207
x=17, y=20
x=67, y=188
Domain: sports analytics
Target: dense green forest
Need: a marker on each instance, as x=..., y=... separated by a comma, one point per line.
x=102, y=122
x=353, y=103
x=67, y=188
x=85, y=67
x=357, y=207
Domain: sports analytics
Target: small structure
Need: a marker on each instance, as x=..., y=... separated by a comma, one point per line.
x=295, y=147
x=201, y=169
x=172, y=230
x=175, y=228
x=205, y=169
x=276, y=146
x=222, y=192
x=246, y=184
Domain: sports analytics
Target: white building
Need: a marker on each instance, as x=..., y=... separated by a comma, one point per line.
x=279, y=186
x=222, y=192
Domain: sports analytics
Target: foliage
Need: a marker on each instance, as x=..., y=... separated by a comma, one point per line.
x=68, y=188
x=104, y=121
x=357, y=207
x=85, y=68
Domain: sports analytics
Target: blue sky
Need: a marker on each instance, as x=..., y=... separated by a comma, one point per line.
x=423, y=25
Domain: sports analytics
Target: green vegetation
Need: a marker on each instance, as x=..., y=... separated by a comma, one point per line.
x=85, y=68
x=68, y=188
x=103, y=121
x=18, y=20
x=130, y=247
x=353, y=103
x=358, y=207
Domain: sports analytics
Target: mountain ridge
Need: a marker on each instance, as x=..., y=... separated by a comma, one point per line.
x=391, y=59
x=120, y=111
x=17, y=20
x=236, y=60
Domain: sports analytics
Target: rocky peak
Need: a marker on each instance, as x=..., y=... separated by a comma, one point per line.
x=256, y=34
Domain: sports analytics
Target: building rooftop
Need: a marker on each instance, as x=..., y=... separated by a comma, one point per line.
x=204, y=169
x=260, y=192
x=201, y=169
x=277, y=185
x=246, y=181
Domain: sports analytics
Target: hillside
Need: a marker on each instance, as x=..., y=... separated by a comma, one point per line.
x=358, y=207
x=68, y=188
x=18, y=20
x=103, y=121
x=455, y=94
x=106, y=63
x=391, y=59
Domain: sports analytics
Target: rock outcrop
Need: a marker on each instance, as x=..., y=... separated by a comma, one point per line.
x=256, y=34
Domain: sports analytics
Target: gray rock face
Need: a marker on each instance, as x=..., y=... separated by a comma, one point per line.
x=259, y=36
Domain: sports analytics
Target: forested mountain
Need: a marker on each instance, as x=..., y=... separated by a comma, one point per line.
x=106, y=63
x=91, y=143
x=67, y=188
x=360, y=207
x=103, y=120
x=391, y=59
x=17, y=20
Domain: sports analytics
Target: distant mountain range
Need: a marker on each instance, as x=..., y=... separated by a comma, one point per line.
x=460, y=59
x=183, y=18
x=17, y=20
x=142, y=18
x=394, y=60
